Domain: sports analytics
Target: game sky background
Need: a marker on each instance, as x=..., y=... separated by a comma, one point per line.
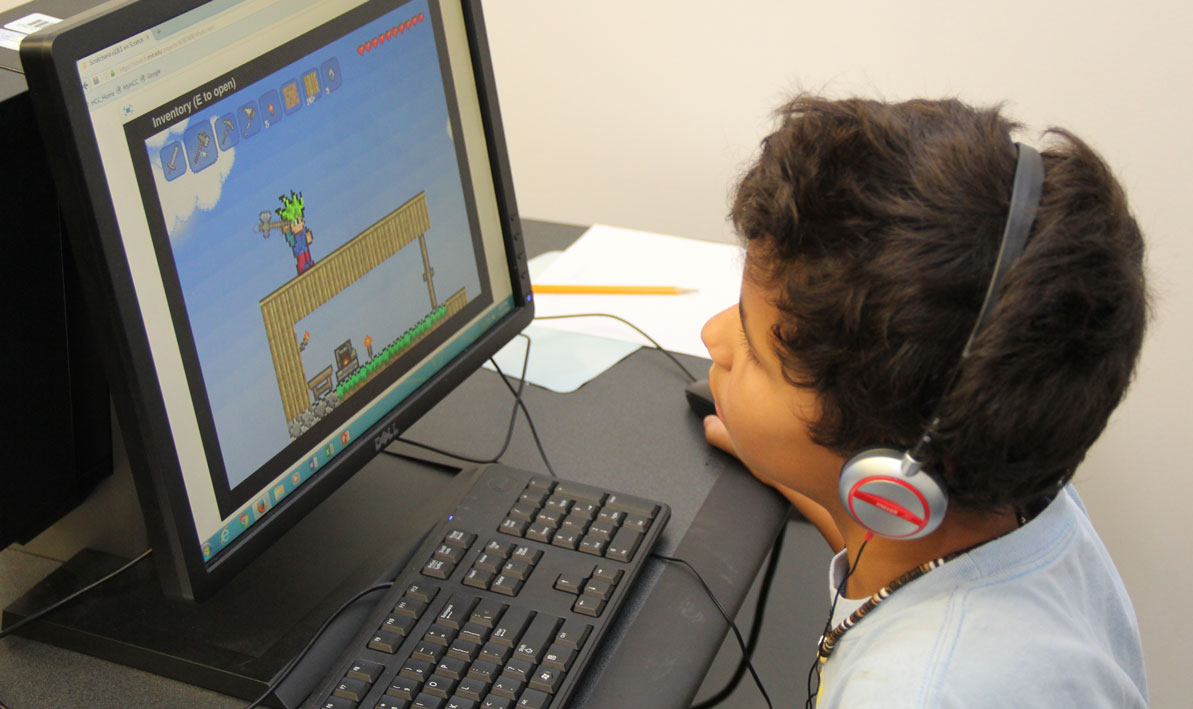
x=355, y=154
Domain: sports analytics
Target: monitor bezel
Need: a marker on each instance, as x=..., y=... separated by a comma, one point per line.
x=50, y=60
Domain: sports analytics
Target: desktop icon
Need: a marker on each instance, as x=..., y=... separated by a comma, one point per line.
x=279, y=492
x=291, y=96
x=310, y=84
x=313, y=464
x=173, y=161
x=330, y=70
x=330, y=450
x=244, y=519
x=206, y=551
x=296, y=477
x=262, y=506
x=248, y=118
x=225, y=535
x=271, y=107
x=226, y=133
x=200, y=146
x=344, y=437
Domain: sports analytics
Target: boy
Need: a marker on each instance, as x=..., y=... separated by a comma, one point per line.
x=872, y=231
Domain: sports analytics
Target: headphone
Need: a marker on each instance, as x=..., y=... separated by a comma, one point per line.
x=886, y=490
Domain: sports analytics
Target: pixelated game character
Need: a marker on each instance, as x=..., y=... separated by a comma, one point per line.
x=293, y=227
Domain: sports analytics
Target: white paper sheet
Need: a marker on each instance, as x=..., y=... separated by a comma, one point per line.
x=606, y=255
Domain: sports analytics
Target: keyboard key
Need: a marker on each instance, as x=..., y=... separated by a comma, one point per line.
x=594, y=545
x=487, y=612
x=415, y=669
x=546, y=679
x=452, y=667
x=537, y=637
x=524, y=511
x=438, y=569
x=447, y=552
x=587, y=510
x=573, y=633
x=404, y=688
x=589, y=605
x=353, y=690
x=624, y=544
x=472, y=688
x=534, y=699
x=507, y=687
x=387, y=702
x=638, y=523
x=487, y=561
x=533, y=497
x=541, y=484
x=559, y=657
x=410, y=608
x=506, y=585
x=428, y=652
x=385, y=642
x=458, y=538
x=495, y=702
x=463, y=650
x=580, y=491
x=566, y=539
x=399, y=625
x=499, y=548
x=440, y=635
x=338, y=703
x=540, y=532
x=476, y=578
x=518, y=668
x=557, y=503
x=509, y=630
x=570, y=583
x=611, y=517
x=629, y=503
x=550, y=517
x=439, y=686
x=516, y=527
x=598, y=588
x=427, y=701
x=496, y=653
x=608, y=572
x=458, y=702
x=602, y=529
x=526, y=554
x=474, y=632
x=457, y=610
x=365, y=671
x=516, y=569
x=484, y=670
x=422, y=592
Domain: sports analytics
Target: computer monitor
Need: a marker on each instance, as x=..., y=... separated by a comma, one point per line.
x=297, y=233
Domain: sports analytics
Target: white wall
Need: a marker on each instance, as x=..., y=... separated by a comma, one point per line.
x=642, y=113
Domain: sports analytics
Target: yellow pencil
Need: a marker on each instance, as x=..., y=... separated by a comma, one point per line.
x=542, y=289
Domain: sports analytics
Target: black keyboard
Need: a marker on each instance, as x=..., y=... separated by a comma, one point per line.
x=504, y=604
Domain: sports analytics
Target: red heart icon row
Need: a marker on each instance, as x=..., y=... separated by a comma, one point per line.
x=390, y=34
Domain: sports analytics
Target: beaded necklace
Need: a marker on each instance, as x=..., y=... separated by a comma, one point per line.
x=829, y=641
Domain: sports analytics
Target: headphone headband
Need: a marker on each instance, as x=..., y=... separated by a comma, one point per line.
x=887, y=491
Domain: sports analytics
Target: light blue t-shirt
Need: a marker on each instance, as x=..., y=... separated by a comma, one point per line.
x=1036, y=618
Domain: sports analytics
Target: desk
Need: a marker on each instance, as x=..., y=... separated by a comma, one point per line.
x=660, y=650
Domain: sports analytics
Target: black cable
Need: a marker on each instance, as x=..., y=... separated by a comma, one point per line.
x=813, y=671
x=509, y=432
x=289, y=667
x=526, y=412
x=657, y=346
x=728, y=619
x=755, y=626
x=55, y=606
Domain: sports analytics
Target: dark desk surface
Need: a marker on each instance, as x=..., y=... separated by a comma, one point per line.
x=642, y=440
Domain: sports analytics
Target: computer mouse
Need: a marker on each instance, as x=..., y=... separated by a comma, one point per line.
x=700, y=398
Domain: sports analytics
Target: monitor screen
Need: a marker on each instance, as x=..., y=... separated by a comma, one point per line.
x=303, y=235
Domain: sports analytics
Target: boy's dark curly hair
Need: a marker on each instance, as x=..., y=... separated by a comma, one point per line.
x=878, y=226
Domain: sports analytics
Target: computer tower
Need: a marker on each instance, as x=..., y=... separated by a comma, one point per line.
x=55, y=421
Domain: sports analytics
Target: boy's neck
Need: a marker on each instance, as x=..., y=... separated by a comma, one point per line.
x=885, y=560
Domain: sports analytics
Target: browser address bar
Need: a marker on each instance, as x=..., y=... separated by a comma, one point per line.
x=199, y=43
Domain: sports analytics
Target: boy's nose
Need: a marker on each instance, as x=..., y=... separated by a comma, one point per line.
x=715, y=333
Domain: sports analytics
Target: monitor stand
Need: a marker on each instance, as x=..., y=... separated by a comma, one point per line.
x=237, y=641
